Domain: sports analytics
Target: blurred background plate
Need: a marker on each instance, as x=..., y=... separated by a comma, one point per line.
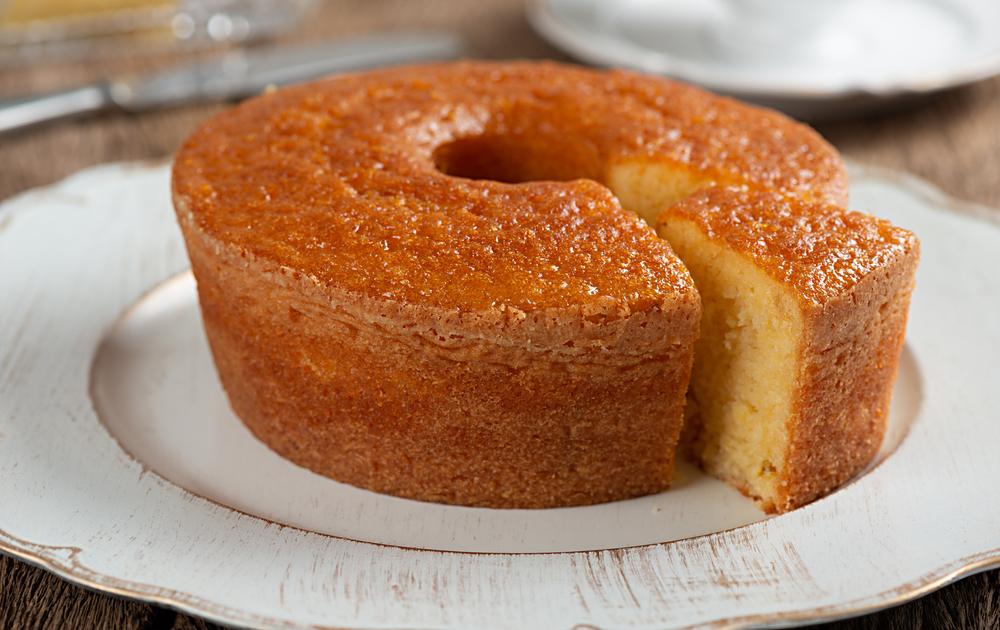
x=815, y=60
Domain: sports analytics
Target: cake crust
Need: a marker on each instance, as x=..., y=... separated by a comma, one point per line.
x=417, y=281
x=819, y=250
x=851, y=276
x=340, y=180
x=424, y=403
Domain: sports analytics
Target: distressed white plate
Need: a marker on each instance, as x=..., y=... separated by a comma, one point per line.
x=74, y=258
x=155, y=388
x=817, y=59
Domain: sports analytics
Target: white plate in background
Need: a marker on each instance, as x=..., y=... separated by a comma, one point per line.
x=816, y=59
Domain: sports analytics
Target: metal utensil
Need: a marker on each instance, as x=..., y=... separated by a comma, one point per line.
x=233, y=75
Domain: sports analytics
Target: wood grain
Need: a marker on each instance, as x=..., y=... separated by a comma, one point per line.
x=952, y=140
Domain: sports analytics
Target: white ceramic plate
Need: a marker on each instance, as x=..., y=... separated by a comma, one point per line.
x=101, y=354
x=815, y=60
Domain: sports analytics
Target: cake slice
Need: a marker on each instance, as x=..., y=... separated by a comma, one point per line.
x=803, y=315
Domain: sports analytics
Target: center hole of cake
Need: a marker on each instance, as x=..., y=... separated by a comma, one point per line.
x=513, y=159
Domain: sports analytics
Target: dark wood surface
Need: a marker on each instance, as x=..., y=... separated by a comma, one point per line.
x=951, y=139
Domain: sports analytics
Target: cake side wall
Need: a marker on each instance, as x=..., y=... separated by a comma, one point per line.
x=849, y=359
x=374, y=407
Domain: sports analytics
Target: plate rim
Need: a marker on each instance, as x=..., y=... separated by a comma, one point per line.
x=880, y=458
x=188, y=603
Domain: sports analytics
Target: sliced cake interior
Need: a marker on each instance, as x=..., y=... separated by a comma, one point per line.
x=745, y=376
x=803, y=315
x=804, y=312
x=647, y=187
x=742, y=385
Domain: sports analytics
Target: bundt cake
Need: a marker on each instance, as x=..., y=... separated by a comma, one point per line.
x=432, y=282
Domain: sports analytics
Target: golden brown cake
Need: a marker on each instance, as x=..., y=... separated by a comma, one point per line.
x=422, y=281
x=803, y=315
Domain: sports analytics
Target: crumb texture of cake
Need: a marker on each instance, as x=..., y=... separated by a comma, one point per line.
x=440, y=282
x=804, y=314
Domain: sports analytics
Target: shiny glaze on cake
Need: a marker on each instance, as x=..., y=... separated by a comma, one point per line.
x=338, y=180
x=818, y=250
x=415, y=281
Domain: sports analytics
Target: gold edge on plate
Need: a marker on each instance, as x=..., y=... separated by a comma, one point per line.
x=75, y=571
x=72, y=570
x=907, y=592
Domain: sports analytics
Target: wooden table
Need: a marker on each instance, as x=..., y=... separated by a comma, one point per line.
x=952, y=140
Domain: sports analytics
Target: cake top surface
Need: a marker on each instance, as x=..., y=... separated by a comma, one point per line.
x=821, y=250
x=344, y=180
